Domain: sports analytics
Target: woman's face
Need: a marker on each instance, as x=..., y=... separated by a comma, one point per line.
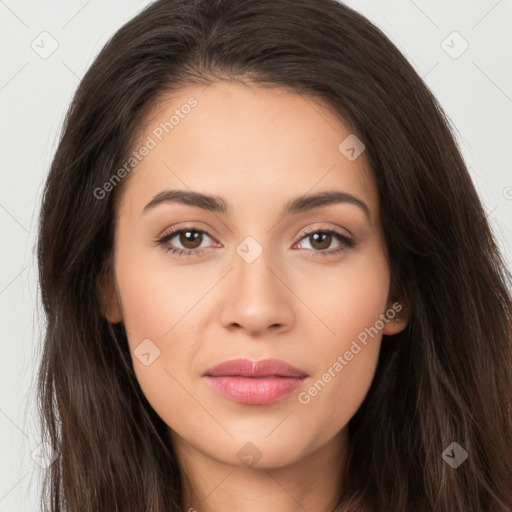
x=257, y=272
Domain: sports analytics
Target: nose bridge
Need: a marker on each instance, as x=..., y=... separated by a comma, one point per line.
x=257, y=299
x=254, y=279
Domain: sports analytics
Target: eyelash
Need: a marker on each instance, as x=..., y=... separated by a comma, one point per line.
x=347, y=242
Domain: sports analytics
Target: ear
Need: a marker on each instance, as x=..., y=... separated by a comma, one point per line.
x=399, y=313
x=108, y=297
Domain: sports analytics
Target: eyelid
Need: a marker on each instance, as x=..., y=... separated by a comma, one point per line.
x=302, y=233
x=322, y=227
x=186, y=227
x=346, y=241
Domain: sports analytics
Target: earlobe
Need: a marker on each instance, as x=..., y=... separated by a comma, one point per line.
x=399, y=321
x=108, y=298
x=394, y=326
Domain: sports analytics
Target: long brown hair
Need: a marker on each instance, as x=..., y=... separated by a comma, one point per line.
x=446, y=378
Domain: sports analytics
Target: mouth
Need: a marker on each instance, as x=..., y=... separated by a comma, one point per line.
x=255, y=382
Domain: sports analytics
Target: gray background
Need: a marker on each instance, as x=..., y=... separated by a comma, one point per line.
x=474, y=87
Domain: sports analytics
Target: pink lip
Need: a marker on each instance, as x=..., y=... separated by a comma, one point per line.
x=255, y=382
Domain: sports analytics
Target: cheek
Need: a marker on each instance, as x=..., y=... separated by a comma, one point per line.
x=348, y=298
x=160, y=317
x=350, y=305
x=345, y=365
x=155, y=317
x=157, y=297
x=338, y=390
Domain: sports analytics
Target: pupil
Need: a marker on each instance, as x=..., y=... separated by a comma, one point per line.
x=190, y=237
x=324, y=237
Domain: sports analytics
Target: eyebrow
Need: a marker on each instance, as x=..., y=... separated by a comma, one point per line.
x=218, y=205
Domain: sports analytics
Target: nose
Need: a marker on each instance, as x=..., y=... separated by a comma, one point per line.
x=257, y=297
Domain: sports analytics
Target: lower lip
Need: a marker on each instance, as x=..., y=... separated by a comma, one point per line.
x=255, y=390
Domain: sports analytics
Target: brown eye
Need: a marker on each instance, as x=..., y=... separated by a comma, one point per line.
x=190, y=239
x=186, y=241
x=320, y=240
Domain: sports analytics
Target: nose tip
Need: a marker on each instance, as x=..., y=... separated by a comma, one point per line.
x=255, y=298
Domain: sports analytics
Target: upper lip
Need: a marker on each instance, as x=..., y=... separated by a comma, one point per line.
x=241, y=367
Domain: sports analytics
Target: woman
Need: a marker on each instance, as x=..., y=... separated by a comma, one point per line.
x=346, y=347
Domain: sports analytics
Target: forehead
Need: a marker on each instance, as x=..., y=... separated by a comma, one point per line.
x=253, y=143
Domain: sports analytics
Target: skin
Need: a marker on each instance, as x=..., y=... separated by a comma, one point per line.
x=257, y=149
